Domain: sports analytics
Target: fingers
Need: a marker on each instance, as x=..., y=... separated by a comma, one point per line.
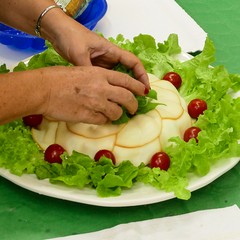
x=123, y=98
x=99, y=114
x=108, y=98
x=132, y=62
x=122, y=89
x=112, y=111
x=140, y=74
x=125, y=81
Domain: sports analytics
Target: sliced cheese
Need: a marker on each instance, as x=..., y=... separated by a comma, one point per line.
x=140, y=130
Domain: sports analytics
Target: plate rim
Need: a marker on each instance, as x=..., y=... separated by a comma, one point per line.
x=62, y=192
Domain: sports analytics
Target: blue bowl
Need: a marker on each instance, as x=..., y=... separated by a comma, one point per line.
x=20, y=40
x=93, y=13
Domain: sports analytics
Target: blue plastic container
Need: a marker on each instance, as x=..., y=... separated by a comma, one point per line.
x=17, y=39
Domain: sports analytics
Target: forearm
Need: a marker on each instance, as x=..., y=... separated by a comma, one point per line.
x=23, y=14
x=22, y=94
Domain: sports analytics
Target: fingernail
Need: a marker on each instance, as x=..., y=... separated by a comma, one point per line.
x=146, y=91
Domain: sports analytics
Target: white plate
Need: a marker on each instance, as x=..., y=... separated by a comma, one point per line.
x=138, y=195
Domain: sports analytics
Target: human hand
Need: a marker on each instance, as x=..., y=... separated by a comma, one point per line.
x=88, y=94
x=83, y=47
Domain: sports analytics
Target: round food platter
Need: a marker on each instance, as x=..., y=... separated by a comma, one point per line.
x=138, y=194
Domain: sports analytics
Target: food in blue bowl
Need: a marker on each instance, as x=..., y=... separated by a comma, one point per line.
x=94, y=11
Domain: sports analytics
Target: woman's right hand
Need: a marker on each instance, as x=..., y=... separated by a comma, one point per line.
x=88, y=94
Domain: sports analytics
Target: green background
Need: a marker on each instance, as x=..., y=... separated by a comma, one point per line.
x=26, y=215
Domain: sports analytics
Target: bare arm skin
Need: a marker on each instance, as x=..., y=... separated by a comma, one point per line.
x=22, y=14
x=90, y=94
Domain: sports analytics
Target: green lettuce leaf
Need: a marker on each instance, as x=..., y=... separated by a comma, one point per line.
x=45, y=59
x=19, y=153
x=79, y=170
x=145, y=104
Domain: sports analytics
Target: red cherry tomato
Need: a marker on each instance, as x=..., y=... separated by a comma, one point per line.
x=53, y=153
x=160, y=160
x=196, y=107
x=32, y=120
x=174, y=78
x=105, y=153
x=191, y=132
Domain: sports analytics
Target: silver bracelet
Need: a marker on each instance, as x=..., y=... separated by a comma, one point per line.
x=38, y=24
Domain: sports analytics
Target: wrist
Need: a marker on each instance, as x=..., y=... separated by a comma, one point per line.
x=50, y=22
x=36, y=80
x=41, y=16
x=25, y=94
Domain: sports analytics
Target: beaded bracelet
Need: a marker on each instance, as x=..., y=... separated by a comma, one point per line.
x=38, y=24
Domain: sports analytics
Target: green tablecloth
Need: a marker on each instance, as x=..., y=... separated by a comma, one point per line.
x=27, y=215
